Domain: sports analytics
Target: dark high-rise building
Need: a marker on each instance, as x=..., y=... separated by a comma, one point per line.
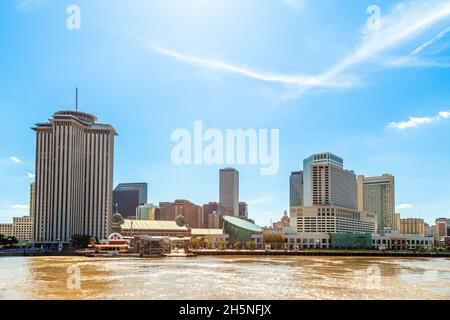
x=74, y=176
x=296, y=189
x=128, y=196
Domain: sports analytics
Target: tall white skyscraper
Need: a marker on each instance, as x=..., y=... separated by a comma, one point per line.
x=326, y=182
x=229, y=192
x=74, y=177
x=330, y=199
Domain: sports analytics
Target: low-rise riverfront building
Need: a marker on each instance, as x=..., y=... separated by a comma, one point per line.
x=393, y=240
x=210, y=237
x=239, y=230
x=297, y=240
x=351, y=240
x=132, y=228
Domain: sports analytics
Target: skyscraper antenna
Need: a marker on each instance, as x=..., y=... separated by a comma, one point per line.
x=76, y=98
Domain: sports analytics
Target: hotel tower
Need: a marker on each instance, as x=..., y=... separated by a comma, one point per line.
x=74, y=177
x=329, y=203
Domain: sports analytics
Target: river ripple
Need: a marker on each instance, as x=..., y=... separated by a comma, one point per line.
x=225, y=278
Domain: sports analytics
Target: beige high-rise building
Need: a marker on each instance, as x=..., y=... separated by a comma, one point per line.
x=397, y=222
x=377, y=195
x=74, y=177
x=412, y=226
x=32, y=199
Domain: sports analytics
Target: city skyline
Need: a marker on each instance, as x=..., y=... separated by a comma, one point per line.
x=387, y=112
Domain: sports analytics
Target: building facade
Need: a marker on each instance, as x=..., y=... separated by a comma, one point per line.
x=128, y=196
x=325, y=182
x=398, y=241
x=243, y=210
x=296, y=189
x=21, y=228
x=412, y=226
x=132, y=228
x=239, y=230
x=192, y=213
x=283, y=223
x=6, y=229
x=330, y=199
x=377, y=195
x=32, y=200
x=442, y=227
x=397, y=220
x=74, y=176
x=215, y=220
x=332, y=219
x=146, y=212
x=430, y=230
x=297, y=240
x=229, y=191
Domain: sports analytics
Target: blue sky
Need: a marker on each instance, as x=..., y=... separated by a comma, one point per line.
x=378, y=98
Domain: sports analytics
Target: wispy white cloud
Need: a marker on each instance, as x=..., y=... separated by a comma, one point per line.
x=404, y=206
x=416, y=121
x=296, y=80
x=15, y=159
x=30, y=175
x=406, y=21
x=414, y=62
x=439, y=36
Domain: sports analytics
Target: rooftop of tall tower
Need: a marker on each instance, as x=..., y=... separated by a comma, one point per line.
x=83, y=116
x=324, y=157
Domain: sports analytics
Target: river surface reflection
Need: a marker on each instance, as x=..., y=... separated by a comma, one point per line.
x=224, y=278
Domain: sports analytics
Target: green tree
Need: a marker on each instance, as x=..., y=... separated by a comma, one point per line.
x=82, y=241
x=223, y=244
x=273, y=237
x=12, y=241
x=3, y=240
x=194, y=242
x=237, y=245
x=251, y=245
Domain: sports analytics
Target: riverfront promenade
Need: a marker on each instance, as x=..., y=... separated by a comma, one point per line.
x=337, y=253
x=231, y=252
